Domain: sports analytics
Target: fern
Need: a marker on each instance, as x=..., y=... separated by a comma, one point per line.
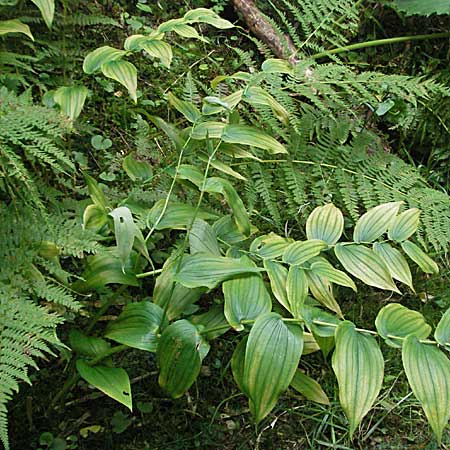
x=356, y=175
x=28, y=144
x=26, y=331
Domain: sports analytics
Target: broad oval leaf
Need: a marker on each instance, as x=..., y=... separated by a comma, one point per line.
x=322, y=267
x=174, y=298
x=211, y=130
x=321, y=323
x=322, y=290
x=133, y=43
x=203, y=269
x=176, y=216
x=123, y=72
x=238, y=364
x=105, y=268
x=404, y=225
x=420, y=257
x=297, y=289
x=273, y=65
x=278, y=279
x=208, y=16
x=423, y=8
x=100, y=56
x=94, y=218
x=114, y=382
x=270, y=246
x=309, y=388
x=71, y=100
x=442, y=332
x=47, y=9
x=395, y=262
x=137, y=170
x=188, y=109
x=271, y=358
x=87, y=346
x=125, y=231
x=300, y=252
x=137, y=326
x=359, y=367
x=394, y=322
x=375, y=222
x=365, y=264
x=159, y=49
x=225, y=188
x=428, y=373
x=15, y=26
x=179, y=357
x=246, y=298
x=203, y=239
x=247, y=135
x=95, y=192
x=325, y=223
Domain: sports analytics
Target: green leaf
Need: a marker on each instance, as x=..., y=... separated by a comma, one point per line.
x=270, y=246
x=222, y=167
x=325, y=223
x=47, y=8
x=227, y=230
x=177, y=216
x=420, y=257
x=246, y=135
x=395, y=262
x=394, y=322
x=309, y=388
x=225, y=188
x=138, y=326
x=442, y=332
x=125, y=231
x=375, y=222
x=359, y=366
x=273, y=65
x=188, y=32
x=95, y=192
x=322, y=290
x=297, y=289
x=71, y=100
x=87, y=346
x=246, y=298
x=171, y=131
x=203, y=15
x=255, y=95
x=206, y=270
x=105, y=268
x=238, y=364
x=133, y=43
x=114, y=382
x=215, y=105
x=278, y=279
x=271, y=358
x=94, y=218
x=310, y=314
x=15, y=26
x=137, y=170
x=300, y=252
x=213, y=318
x=159, y=49
x=174, y=298
x=123, y=72
x=428, y=373
x=365, y=264
x=323, y=268
x=210, y=129
x=95, y=59
x=203, y=239
x=422, y=7
x=404, y=225
x=188, y=109
x=180, y=356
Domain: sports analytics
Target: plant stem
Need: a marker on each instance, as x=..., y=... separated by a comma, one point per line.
x=149, y=274
x=377, y=42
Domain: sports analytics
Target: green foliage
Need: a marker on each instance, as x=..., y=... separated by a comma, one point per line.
x=29, y=137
